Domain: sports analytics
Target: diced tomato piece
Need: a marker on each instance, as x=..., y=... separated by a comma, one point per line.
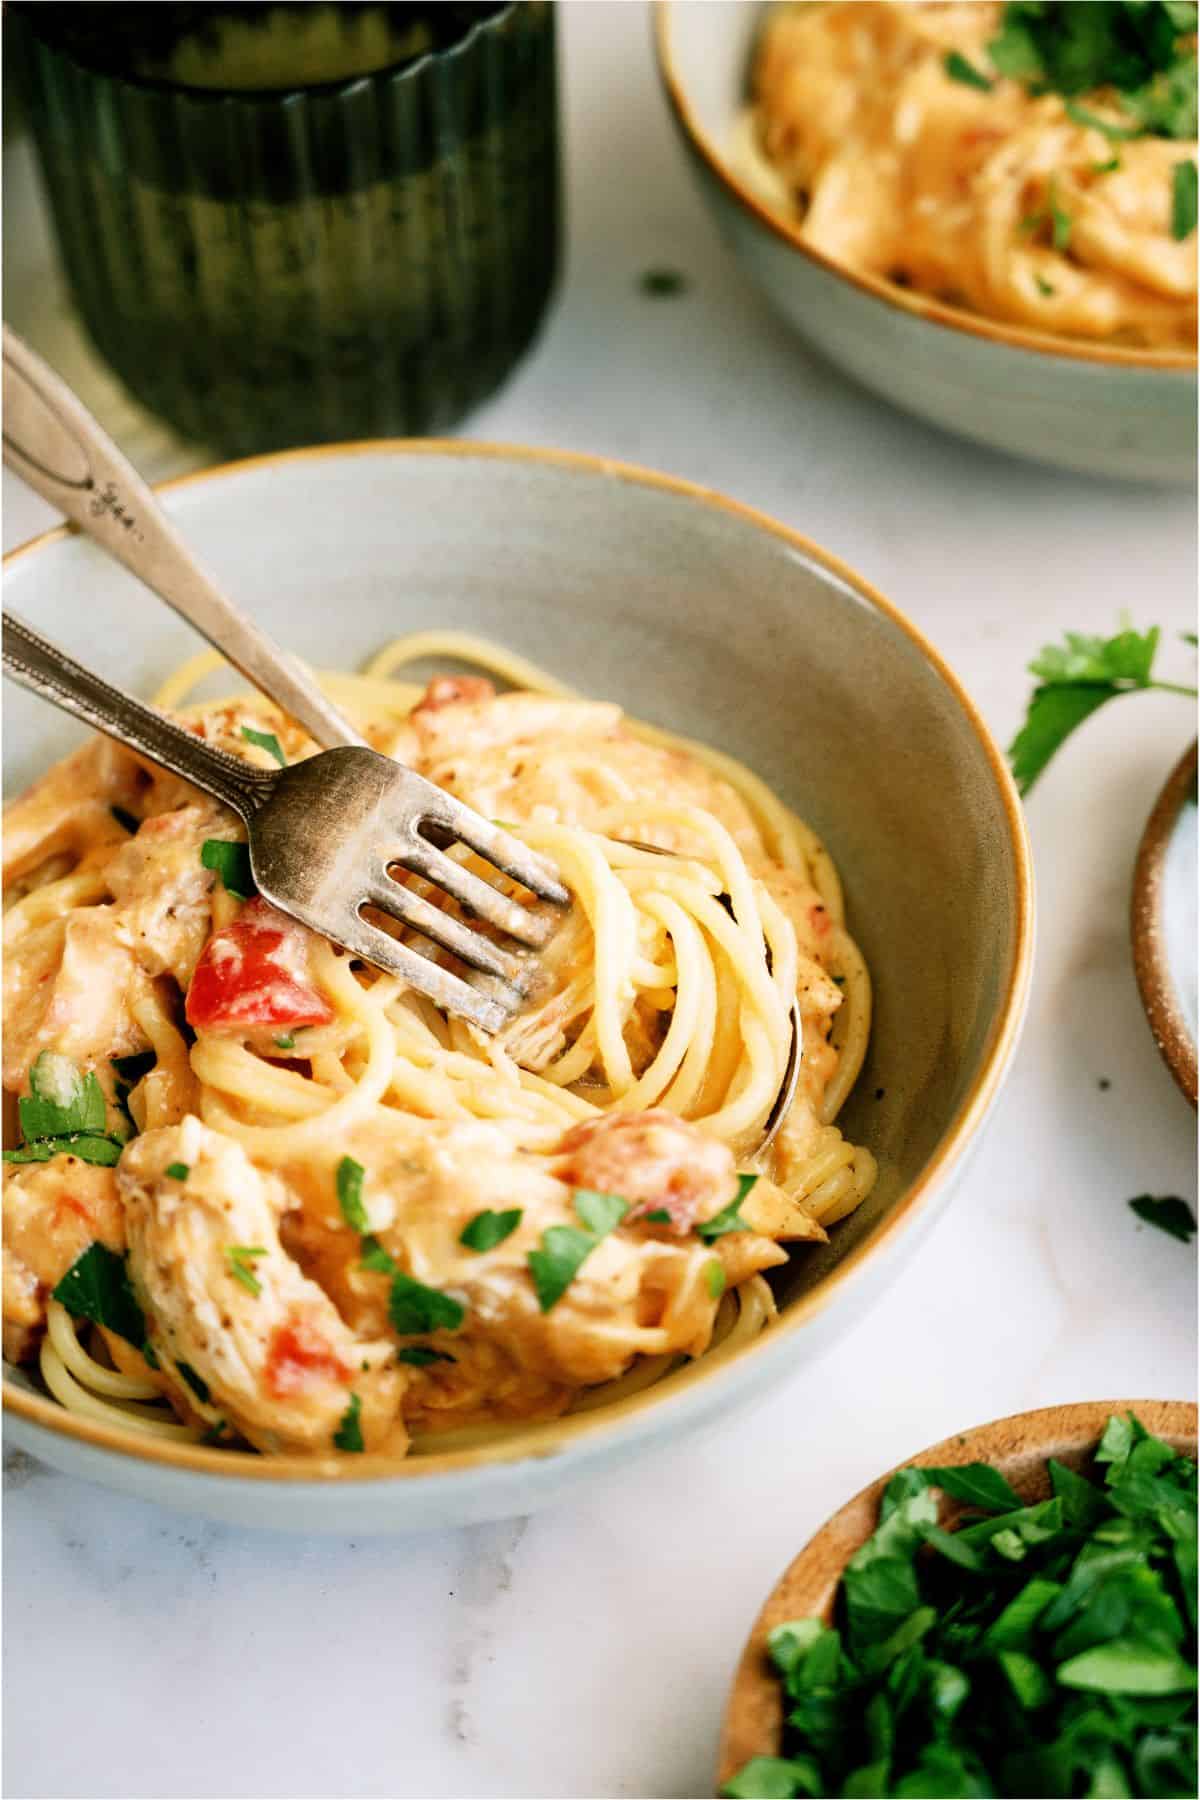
x=255, y=973
x=297, y=1354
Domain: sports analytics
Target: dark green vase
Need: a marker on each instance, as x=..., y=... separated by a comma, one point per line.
x=271, y=265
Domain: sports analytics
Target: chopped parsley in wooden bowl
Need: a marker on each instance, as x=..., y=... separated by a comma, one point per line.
x=1014, y=1613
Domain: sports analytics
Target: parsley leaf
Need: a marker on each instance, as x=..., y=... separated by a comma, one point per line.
x=660, y=1216
x=60, y=1099
x=178, y=1171
x=1183, y=199
x=97, y=1287
x=374, y=1256
x=63, y=1114
x=240, y=1258
x=714, y=1279
x=729, y=1218
x=959, y=69
x=349, y=1193
x=266, y=740
x=196, y=1382
x=554, y=1266
x=231, y=862
x=1075, y=678
x=420, y=1357
x=414, y=1308
x=286, y=1040
x=977, y=1484
x=488, y=1228
x=1168, y=1213
x=348, y=1435
x=601, y=1213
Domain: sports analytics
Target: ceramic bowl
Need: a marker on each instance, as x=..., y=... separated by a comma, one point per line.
x=1094, y=408
x=704, y=617
x=1163, y=918
x=1019, y=1447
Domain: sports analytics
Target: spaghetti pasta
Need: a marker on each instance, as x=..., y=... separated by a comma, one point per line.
x=883, y=127
x=379, y=1227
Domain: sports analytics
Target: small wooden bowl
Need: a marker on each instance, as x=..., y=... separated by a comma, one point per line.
x=1019, y=1447
x=1151, y=961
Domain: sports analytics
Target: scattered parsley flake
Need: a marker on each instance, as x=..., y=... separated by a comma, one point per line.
x=265, y=740
x=565, y=1248
x=1183, y=199
x=286, y=1040
x=375, y=1257
x=1167, y=1212
x=1044, y=287
x=660, y=1216
x=730, y=1217
x=64, y=1113
x=415, y=1308
x=420, y=1357
x=231, y=861
x=661, y=284
x=958, y=68
x=348, y=1435
x=240, y=1258
x=97, y=1287
x=178, y=1171
x=196, y=1382
x=488, y=1228
x=714, y=1279
x=349, y=1193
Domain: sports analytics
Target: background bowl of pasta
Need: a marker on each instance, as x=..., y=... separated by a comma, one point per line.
x=862, y=183
x=318, y=1137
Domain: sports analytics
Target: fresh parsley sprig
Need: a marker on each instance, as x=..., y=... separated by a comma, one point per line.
x=1076, y=678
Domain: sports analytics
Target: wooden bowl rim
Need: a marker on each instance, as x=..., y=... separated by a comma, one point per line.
x=1159, y=997
x=1018, y=1445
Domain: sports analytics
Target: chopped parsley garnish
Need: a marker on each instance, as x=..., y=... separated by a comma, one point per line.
x=374, y=1256
x=1106, y=168
x=1140, y=48
x=414, y=1308
x=714, y=1279
x=1167, y=1212
x=241, y=1260
x=286, y=1040
x=1041, y=1649
x=178, y=1171
x=232, y=863
x=660, y=1216
x=97, y=1287
x=349, y=1193
x=420, y=1357
x=730, y=1217
x=1044, y=287
x=1183, y=199
x=565, y=1248
x=959, y=69
x=488, y=1228
x=348, y=1435
x=1075, y=678
x=1060, y=221
x=196, y=1382
x=265, y=740
x=64, y=1113
x=1083, y=116
x=126, y=820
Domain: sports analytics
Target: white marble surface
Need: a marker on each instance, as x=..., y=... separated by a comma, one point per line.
x=586, y=1652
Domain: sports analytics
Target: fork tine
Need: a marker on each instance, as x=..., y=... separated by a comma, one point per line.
x=491, y=1011
x=485, y=901
x=442, y=928
x=500, y=847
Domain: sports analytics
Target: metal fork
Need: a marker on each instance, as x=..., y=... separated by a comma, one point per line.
x=325, y=833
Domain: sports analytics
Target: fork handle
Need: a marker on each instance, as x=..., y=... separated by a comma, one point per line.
x=46, y=671
x=55, y=445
